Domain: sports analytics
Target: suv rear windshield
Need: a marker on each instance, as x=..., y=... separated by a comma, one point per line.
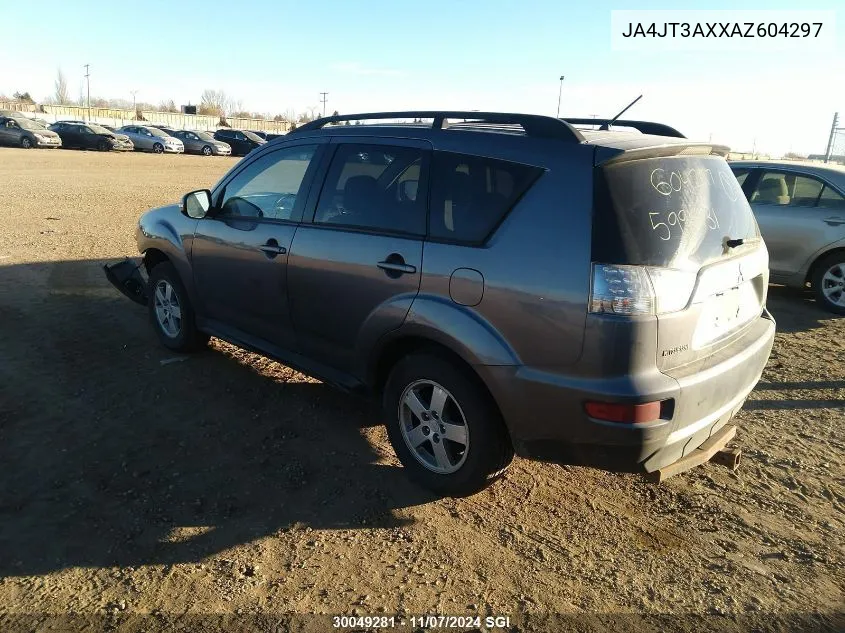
x=678, y=212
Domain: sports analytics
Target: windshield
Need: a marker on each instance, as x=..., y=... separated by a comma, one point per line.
x=253, y=137
x=156, y=132
x=98, y=129
x=676, y=211
x=205, y=136
x=28, y=125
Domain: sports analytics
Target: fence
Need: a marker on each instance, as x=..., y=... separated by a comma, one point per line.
x=117, y=117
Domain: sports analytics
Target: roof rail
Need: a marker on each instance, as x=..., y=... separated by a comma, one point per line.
x=646, y=127
x=533, y=124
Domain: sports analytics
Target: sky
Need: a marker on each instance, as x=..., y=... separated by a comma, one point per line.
x=492, y=55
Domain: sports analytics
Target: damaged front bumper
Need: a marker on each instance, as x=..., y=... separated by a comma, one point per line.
x=130, y=278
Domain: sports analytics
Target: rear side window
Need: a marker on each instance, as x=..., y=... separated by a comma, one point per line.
x=677, y=211
x=470, y=195
x=831, y=199
x=375, y=187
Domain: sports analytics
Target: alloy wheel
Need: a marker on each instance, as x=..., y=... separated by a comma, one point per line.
x=833, y=284
x=434, y=426
x=167, y=309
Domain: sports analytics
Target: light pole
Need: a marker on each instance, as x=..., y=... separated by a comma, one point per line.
x=88, y=81
x=323, y=99
x=134, y=107
x=559, y=93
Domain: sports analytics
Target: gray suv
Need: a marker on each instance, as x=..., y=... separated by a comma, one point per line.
x=502, y=283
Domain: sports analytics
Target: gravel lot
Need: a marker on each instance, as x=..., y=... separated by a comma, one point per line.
x=144, y=491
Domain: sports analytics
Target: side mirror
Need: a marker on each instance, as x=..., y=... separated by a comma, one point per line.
x=196, y=204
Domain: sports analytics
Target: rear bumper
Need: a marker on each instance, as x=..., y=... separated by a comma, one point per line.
x=545, y=411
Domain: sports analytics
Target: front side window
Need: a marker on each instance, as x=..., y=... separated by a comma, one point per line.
x=374, y=187
x=470, y=195
x=271, y=187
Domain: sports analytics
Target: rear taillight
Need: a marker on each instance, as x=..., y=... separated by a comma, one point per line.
x=620, y=289
x=624, y=413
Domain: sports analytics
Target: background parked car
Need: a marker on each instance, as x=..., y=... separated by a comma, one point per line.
x=197, y=142
x=21, y=132
x=170, y=131
x=152, y=139
x=242, y=142
x=800, y=208
x=260, y=134
x=91, y=136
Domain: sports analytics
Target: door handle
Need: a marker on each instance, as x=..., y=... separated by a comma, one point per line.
x=836, y=221
x=397, y=267
x=272, y=248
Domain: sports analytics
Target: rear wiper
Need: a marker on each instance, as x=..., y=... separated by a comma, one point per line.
x=734, y=243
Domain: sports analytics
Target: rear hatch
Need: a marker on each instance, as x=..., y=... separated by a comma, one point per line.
x=674, y=237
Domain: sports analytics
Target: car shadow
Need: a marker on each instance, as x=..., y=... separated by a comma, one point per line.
x=796, y=310
x=117, y=452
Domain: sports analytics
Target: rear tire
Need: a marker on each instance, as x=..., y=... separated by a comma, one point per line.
x=829, y=283
x=469, y=430
x=27, y=143
x=171, y=312
x=158, y=148
x=206, y=150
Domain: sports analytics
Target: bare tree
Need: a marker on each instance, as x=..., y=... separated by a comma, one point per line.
x=213, y=102
x=61, y=95
x=168, y=105
x=218, y=102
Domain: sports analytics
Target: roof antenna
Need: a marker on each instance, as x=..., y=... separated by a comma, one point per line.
x=607, y=125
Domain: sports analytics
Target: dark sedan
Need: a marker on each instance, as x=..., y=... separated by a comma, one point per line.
x=21, y=132
x=242, y=142
x=91, y=136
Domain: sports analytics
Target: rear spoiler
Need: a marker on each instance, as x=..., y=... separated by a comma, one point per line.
x=605, y=155
x=646, y=127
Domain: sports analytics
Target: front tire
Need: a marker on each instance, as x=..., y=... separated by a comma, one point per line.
x=444, y=426
x=27, y=143
x=103, y=146
x=829, y=283
x=171, y=312
x=206, y=150
x=158, y=148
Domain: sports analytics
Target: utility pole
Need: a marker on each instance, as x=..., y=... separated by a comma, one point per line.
x=559, y=93
x=134, y=107
x=832, y=136
x=88, y=81
x=323, y=101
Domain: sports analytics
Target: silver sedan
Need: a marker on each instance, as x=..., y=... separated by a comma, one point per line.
x=202, y=143
x=146, y=137
x=800, y=207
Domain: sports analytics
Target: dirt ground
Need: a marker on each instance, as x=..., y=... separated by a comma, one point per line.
x=146, y=491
